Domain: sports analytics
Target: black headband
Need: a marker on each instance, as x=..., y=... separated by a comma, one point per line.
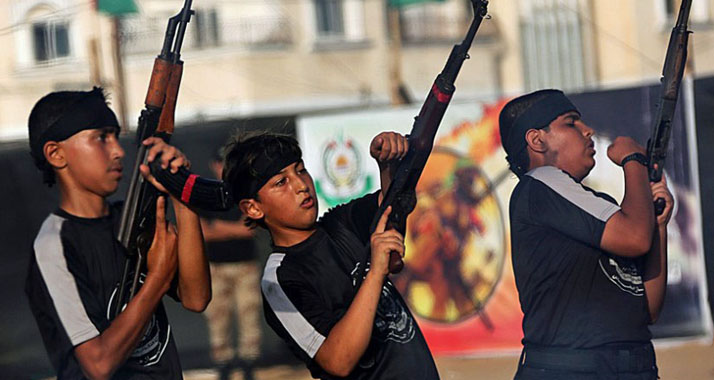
x=266, y=166
x=539, y=115
x=89, y=112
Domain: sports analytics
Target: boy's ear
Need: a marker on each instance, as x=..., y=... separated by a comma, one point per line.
x=54, y=154
x=251, y=209
x=535, y=141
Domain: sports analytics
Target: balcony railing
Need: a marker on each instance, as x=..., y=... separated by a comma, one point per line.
x=432, y=26
x=426, y=27
x=140, y=35
x=257, y=32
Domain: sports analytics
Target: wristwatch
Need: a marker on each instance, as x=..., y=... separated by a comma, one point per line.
x=639, y=157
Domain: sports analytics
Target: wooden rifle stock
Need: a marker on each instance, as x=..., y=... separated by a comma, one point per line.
x=158, y=83
x=401, y=194
x=166, y=121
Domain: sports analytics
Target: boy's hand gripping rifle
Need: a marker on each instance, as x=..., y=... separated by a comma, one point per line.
x=672, y=73
x=401, y=194
x=138, y=218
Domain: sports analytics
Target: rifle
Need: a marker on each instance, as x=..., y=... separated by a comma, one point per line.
x=675, y=60
x=401, y=194
x=157, y=119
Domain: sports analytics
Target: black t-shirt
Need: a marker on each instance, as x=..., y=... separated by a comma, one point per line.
x=307, y=289
x=572, y=293
x=228, y=251
x=74, y=273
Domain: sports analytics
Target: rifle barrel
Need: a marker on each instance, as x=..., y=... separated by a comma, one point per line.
x=683, y=16
x=401, y=192
x=672, y=73
x=185, y=15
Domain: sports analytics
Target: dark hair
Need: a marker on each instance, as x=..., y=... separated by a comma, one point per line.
x=44, y=114
x=217, y=155
x=240, y=162
x=519, y=161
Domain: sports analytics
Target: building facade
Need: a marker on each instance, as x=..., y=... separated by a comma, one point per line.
x=279, y=57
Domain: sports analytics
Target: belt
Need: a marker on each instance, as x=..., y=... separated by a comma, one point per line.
x=630, y=358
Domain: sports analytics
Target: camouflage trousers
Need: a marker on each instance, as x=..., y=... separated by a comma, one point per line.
x=236, y=289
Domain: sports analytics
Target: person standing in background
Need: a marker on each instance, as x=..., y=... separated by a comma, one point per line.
x=235, y=276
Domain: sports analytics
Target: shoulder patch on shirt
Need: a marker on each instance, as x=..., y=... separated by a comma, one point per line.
x=49, y=254
x=560, y=182
x=294, y=323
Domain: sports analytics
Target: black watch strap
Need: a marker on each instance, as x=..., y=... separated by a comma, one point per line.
x=639, y=157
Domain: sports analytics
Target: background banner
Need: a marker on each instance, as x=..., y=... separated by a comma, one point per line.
x=458, y=278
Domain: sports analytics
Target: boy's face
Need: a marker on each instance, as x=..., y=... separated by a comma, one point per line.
x=288, y=199
x=93, y=160
x=570, y=146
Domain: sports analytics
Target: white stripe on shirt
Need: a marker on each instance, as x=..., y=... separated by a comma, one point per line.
x=294, y=323
x=49, y=254
x=563, y=184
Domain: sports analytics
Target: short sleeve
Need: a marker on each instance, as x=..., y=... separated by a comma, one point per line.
x=556, y=200
x=72, y=305
x=297, y=307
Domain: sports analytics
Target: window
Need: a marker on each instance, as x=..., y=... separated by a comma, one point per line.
x=669, y=9
x=554, y=54
x=329, y=18
x=50, y=40
x=338, y=24
x=206, y=23
x=45, y=34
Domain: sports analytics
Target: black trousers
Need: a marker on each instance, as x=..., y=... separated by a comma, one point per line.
x=614, y=362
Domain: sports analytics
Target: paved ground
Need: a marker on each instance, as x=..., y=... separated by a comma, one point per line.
x=690, y=361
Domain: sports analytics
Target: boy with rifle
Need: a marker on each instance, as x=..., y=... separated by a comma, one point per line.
x=591, y=274
x=324, y=292
x=77, y=263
